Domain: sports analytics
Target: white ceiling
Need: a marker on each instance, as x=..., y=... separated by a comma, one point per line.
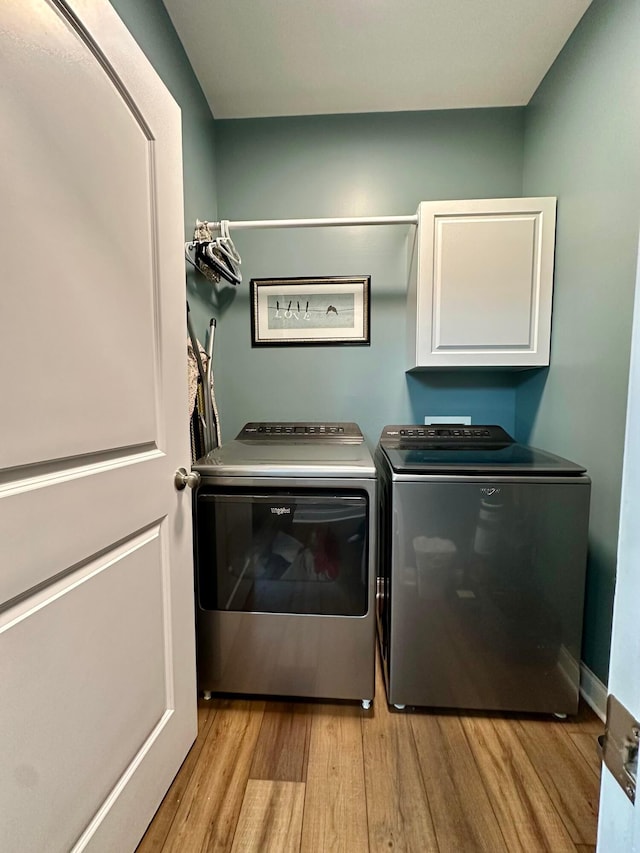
x=310, y=57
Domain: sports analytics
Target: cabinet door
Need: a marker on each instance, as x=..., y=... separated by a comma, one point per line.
x=481, y=283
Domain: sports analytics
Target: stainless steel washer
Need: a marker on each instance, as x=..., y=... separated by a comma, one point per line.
x=483, y=545
x=285, y=525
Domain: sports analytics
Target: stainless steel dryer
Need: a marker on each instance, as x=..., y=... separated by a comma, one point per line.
x=483, y=545
x=285, y=521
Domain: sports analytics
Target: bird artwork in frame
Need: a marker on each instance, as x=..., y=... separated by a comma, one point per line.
x=327, y=311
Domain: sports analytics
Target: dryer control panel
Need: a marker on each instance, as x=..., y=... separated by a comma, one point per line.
x=301, y=431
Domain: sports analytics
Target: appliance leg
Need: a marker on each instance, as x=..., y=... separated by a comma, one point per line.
x=366, y=704
x=399, y=707
x=560, y=716
x=206, y=694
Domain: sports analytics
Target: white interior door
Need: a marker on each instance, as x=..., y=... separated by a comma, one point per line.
x=97, y=662
x=619, y=820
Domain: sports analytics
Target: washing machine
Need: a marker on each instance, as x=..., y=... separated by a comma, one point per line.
x=285, y=538
x=483, y=546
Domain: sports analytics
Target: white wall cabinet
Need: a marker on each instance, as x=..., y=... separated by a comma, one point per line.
x=481, y=282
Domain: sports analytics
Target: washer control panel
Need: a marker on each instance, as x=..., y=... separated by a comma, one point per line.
x=450, y=434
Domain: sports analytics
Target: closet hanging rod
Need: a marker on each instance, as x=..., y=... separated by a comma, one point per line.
x=240, y=224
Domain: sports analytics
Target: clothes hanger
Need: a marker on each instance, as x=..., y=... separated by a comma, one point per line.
x=194, y=255
x=227, y=244
x=214, y=258
x=206, y=262
x=226, y=247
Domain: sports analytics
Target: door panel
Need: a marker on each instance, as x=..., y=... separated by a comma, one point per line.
x=76, y=249
x=97, y=657
x=477, y=256
x=52, y=502
x=89, y=696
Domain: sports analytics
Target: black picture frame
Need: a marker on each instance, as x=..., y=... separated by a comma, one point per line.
x=311, y=311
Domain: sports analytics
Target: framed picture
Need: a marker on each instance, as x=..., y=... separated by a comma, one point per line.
x=310, y=311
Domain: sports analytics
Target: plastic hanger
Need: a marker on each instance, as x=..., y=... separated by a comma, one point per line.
x=217, y=257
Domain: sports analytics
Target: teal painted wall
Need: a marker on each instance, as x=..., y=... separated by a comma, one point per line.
x=578, y=140
x=351, y=165
x=150, y=25
x=582, y=143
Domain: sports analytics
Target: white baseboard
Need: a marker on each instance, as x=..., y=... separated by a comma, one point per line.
x=569, y=666
x=593, y=691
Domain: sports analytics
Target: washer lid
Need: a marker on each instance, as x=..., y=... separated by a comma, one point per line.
x=465, y=449
x=501, y=459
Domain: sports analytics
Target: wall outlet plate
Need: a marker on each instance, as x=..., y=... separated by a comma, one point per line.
x=448, y=419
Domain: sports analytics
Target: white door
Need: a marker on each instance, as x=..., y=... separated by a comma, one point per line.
x=619, y=820
x=97, y=671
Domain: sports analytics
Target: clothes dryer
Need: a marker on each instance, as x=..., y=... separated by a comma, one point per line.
x=285, y=528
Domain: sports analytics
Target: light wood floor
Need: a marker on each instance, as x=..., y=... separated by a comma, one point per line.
x=273, y=776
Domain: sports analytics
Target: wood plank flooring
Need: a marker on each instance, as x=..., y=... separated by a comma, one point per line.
x=309, y=777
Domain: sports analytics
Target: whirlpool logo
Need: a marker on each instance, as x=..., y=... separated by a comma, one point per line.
x=281, y=510
x=490, y=491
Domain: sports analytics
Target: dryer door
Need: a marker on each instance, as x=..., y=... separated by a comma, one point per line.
x=283, y=551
